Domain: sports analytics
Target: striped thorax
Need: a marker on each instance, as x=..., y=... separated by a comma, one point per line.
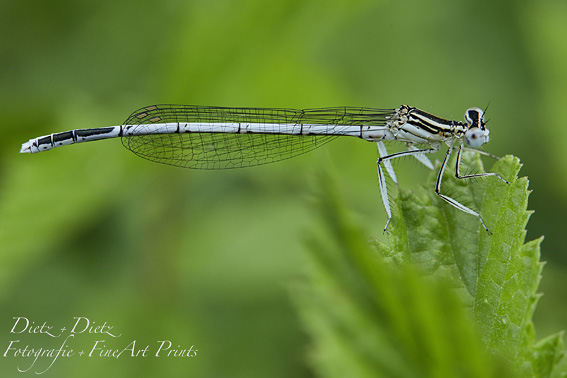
x=412, y=125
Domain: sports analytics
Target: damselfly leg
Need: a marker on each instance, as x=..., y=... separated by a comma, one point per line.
x=387, y=164
x=484, y=174
x=450, y=200
x=385, y=160
x=419, y=155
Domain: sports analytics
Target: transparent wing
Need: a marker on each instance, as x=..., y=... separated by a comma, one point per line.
x=221, y=150
x=227, y=150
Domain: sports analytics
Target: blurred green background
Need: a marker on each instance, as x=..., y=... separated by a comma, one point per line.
x=205, y=258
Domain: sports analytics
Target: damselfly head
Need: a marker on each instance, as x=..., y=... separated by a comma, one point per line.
x=477, y=133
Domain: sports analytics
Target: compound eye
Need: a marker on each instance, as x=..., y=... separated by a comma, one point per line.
x=475, y=137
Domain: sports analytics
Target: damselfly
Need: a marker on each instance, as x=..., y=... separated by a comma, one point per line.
x=207, y=137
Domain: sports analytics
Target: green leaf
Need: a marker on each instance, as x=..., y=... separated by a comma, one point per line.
x=370, y=318
x=548, y=357
x=444, y=298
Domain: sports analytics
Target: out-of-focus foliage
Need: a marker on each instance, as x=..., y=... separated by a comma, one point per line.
x=204, y=257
